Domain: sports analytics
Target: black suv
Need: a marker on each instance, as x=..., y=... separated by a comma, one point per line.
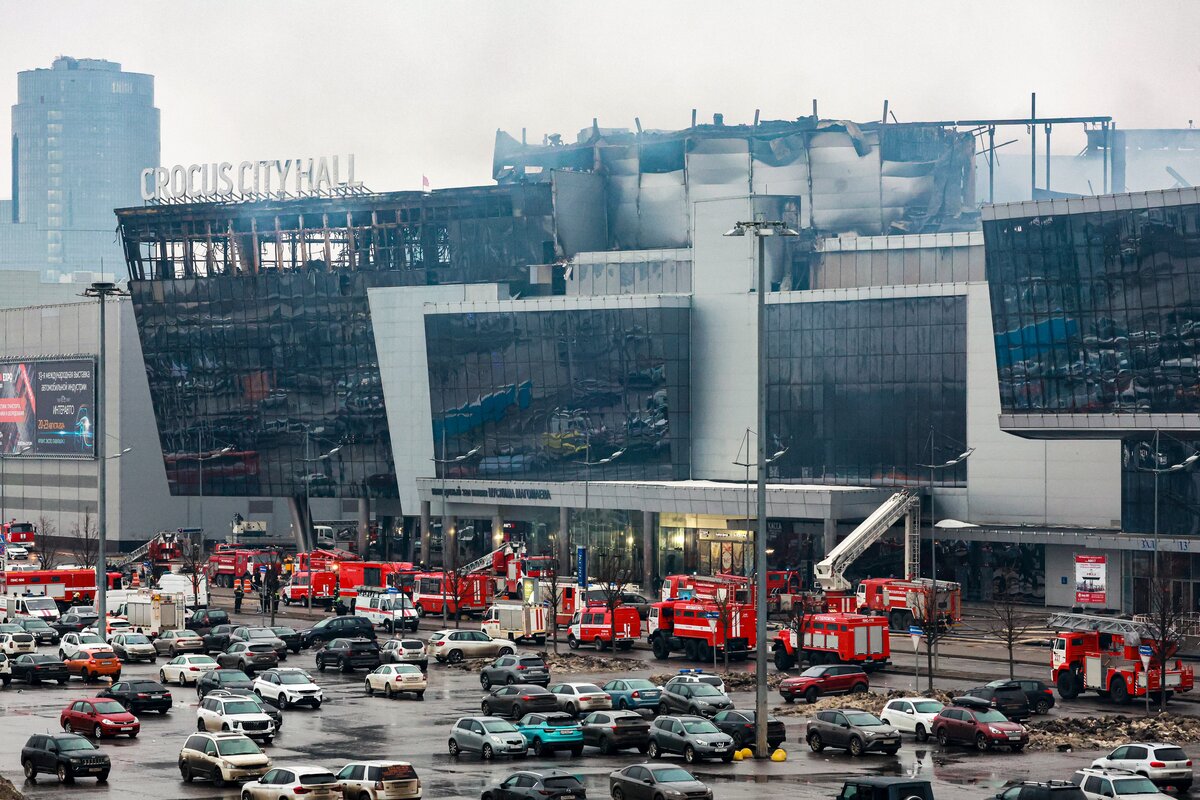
x=64, y=754
x=1037, y=693
x=202, y=620
x=332, y=628
x=1042, y=790
x=349, y=654
x=140, y=695
x=885, y=789
x=1007, y=698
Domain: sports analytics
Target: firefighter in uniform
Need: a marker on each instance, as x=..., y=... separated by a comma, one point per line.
x=239, y=590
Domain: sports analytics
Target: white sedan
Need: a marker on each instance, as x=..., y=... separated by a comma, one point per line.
x=392, y=679
x=287, y=687
x=74, y=643
x=294, y=782
x=912, y=715
x=186, y=669
x=576, y=697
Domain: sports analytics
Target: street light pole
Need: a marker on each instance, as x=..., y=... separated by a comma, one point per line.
x=587, y=481
x=447, y=566
x=760, y=229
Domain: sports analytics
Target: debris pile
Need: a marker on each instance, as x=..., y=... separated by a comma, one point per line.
x=569, y=662
x=734, y=681
x=867, y=701
x=1111, y=730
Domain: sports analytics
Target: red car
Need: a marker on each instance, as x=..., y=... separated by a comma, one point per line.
x=825, y=679
x=99, y=716
x=980, y=726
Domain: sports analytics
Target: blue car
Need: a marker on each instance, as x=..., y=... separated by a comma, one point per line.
x=633, y=693
x=546, y=733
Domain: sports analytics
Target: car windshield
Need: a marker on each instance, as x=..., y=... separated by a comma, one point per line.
x=241, y=707
x=200, y=660
x=928, y=707
x=704, y=690
x=261, y=633
x=1134, y=786
x=90, y=638
x=293, y=677
x=700, y=726
x=589, y=688
x=145, y=686
x=103, y=654
x=561, y=722
x=41, y=604
x=672, y=775
x=863, y=718
x=74, y=743
x=237, y=747
x=136, y=638
x=1170, y=754
x=283, y=631
x=35, y=624
x=498, y=726
x=562, y=782
x=363, y=646
x=991, y=715
x=310, y=778
x=535, y=663
x=42, y=659
x=813, y=672
x=640, y=684
x=231, y=675
x=110, y=707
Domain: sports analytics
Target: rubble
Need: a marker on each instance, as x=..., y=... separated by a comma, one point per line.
x=1111, y=730
x=734, y=681
x=867, y=701
x=560, y=663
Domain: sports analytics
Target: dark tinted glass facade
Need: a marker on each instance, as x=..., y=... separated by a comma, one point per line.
x=1097, y=312
x=1178, y=492
x=856, y=388
x=267, y=384
x=540, y=392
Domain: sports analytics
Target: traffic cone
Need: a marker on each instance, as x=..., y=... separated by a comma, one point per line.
x=137, y=581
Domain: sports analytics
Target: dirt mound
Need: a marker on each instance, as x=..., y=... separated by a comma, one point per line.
x=559, y=664
x=734, y=681
x=8, y=791
x=867, y=701
x=1110, y=730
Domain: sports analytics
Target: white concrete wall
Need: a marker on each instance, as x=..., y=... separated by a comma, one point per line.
x=1060, y=564
x=1015, y=481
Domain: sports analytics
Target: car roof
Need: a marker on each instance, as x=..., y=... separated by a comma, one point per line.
x=220, y=734
x=301, y=767
x=855, y=710
x=1106, y=771
x=883, y=781
x=687, y=718
x=61, y=736
x=915, y=700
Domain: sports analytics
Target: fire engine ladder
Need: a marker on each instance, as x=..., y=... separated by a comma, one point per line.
x=1064, y=621
x=481, y=564
x=831, y=572
x=138, y=554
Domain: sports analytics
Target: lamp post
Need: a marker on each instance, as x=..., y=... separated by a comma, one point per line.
x=200, y=459
x=587, y=480
x=308, y=476
x=761, y=229
x=101, y=290
x=1156, y=470
x=447, y=545
x=4, y=486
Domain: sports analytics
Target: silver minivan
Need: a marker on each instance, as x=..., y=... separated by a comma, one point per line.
x=488, y=736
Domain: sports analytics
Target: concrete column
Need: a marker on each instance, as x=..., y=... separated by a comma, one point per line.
x=497, y=529
x=299, y=524
x=564, y=542
x=426, y=532
x=829, y=539
x=648, y=551
x=364, y=524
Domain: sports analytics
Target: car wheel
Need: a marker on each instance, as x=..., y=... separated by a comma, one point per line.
x=572, y=642
x=811, y=695
x=942, y=738
x=97, y=732
x=859, y=688
x=162, y=676
x=486, y=708
x=572, y=709
x=517, y=711
x=815, y=743
x=388, y=692
x=689, y=754
x=623, y=704
x=606, y=747
x=453, y=746
x=1042, y=707
x=652, y=750
x=485, y=682
x=539, y=748
x=320, y=664
x=200, y=725
x=487, y=753
x=981, y=742
x=64, y=774
x=62, y=656
x=185, y=771
x=618, y=793
x=30, y=769
x=181, y=680
x=218, y=779
x=506, y=651
x=510, y=680
x=922, y=734
x=454, y=656
x=856, y=746
x=370, y=689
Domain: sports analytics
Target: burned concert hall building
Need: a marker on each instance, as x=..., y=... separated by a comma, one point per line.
x=567, y=357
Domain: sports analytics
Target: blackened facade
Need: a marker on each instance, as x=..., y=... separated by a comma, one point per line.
x=540, y=393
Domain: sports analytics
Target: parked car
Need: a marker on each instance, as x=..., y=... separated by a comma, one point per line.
x=489, y=736
x=99, y=716
x=223, y=758
x=1116, y=784
x=260, y=636
x=697, y=676
x=131, y=647
x=649, y=781
x=290, y=637
x=517, y=700
x=293, y=782
x=34, y=668
x=741, y=728
x=72, y=643
x=548, y=733
x=245, y=694
x=66, y=755
x=611, y=731
x=552, y=783
x=695, y=738
x=172, y=643
x=455, y=645
x=204, y=619
x=287, y=687
x=1038, y=695
x=823, y=680
x=1007, y=698
x=1164, y=763
x=394, y=679
x=912, y=715
x=186, y=669
x=405, y=651
x=223, y=679
x=853, y=730
x=379, y=780
x=249, y=657
x=633, y=693
x=980, y=726
x=234, y=714
x=349, y=654
x=92, y=664
x=74, y=621
x=510, y=669
x=140, y=695
x=331, y=628
x=693, y=698
x=1042, y=790
x=14, y=643
x=38, y=628
x=577, y=698
x=218, y=638
x=885, y=788
x=5, y=669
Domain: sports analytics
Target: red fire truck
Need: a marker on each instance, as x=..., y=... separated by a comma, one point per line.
x=231, y=561
x=896, y=599
x=706, y=587
x=322, y=559
x=310, y=587
x=21, y=533
x=695, y=627
x=66, y=586
x=595, y=626
x=434, y=591
x=835, y=639
x=376, y=574
x=1101, y=654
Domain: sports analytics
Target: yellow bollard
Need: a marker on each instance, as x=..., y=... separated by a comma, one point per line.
x=779, y=755
x=737, y=755
x=746, y=752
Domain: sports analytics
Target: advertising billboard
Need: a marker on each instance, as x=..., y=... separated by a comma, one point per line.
x=1091, y=580
x=46, y=408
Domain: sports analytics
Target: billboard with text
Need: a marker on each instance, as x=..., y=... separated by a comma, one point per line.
x=46, y=408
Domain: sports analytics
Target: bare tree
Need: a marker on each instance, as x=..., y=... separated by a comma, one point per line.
x=1008, y=622
x=803, y=604
x=614, y=573
x=1166, y=627
x=85, y=540
x=928, y=612
x=192, y=564
x=49, y=546
x=552, y=584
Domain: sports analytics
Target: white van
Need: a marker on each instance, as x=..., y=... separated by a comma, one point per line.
x=392, y=611
x=172, y=583
x=28, y=605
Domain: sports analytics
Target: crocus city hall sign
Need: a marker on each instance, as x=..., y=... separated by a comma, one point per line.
x=286, y=178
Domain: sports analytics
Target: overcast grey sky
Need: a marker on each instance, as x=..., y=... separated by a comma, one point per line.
x=418, y=88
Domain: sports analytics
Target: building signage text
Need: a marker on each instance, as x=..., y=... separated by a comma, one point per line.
x=503, y=492
x=284, y=178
